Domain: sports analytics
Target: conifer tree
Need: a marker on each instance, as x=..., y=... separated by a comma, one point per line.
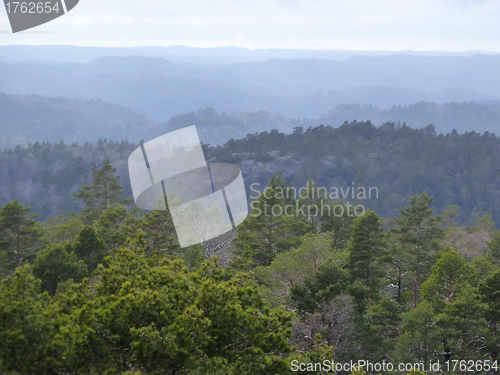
x=419, y=230
x=449, y=275
x=273, y=226
x=420, y=340
x=338, y=218
x=105, y=190
x=489, y=290
x=367, y=255
x=90, y=248
x=20, y=234
x=464, y=326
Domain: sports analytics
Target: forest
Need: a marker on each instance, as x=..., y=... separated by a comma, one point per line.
x=34, y=118
x=400, y=161
x=108, y=290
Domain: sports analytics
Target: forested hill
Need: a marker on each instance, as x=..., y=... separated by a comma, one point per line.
x=42, y=118
x=461, y=169
x=303, y=87
x=32, y=118
x=465, y=116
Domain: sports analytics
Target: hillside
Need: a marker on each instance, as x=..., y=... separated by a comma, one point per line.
x=300, y=88
x=25, y=119
x=457, y=169
x=35, y=117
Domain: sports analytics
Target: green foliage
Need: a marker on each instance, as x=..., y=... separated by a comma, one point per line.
x=319, y=353
x=62, y=229
x=19, y=233
x=463, y=325
x=149, y=313
x=115, y=225
x=449, y=275
x=420, y=339
x=291, y=268
x=386, y=318
x=26, y=325
x=494, y=247
x=367, y=254
x=90, y=248
x=327, y=282
x=151, y=307
x=419, y=231
x=274, y=226
x=160, y=232
x=457, y=169
x=55, y=265
x=339, y=222
x=489, y=291
x=104, y=192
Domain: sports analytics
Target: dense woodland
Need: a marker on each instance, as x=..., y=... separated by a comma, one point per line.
x=109, y=290
x=456, y=169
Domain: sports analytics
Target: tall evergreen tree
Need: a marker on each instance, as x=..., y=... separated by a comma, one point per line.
x=449, y=275
x=420, y=340
x=338, y=219
x=367, y=255
x=489, y=290
x=399, y=264
x=90, y=248
x=464, y=326
x=19, y=233
x=274, y=226
x=419, y=230
x=105, y=190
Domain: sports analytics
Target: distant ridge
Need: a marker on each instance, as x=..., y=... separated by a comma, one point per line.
x=25, y=119
x=185, y=54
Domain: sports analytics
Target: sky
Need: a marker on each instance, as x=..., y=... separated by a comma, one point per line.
x=393, y=25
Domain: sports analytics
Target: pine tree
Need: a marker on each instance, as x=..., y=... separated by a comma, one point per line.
x=104, y=192
x=27, y=326
x=20, y=234
x=399, y=264
x=489, y=290
x=449, y=275
x=420, y=340
x=273, y=226
x=338, y=219
x=463, y=325
x=386, y=318
x=367, y=255
x=90, y=248
x=419, y=229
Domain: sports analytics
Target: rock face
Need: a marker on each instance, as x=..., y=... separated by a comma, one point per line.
x=292, y=167
x=258, y=171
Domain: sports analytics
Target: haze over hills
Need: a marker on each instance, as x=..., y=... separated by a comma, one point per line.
x=136, y=93
x=185, y=54
x=27, y=119
x=161, y=89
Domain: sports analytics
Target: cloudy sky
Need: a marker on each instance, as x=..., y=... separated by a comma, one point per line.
x=455, y=25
